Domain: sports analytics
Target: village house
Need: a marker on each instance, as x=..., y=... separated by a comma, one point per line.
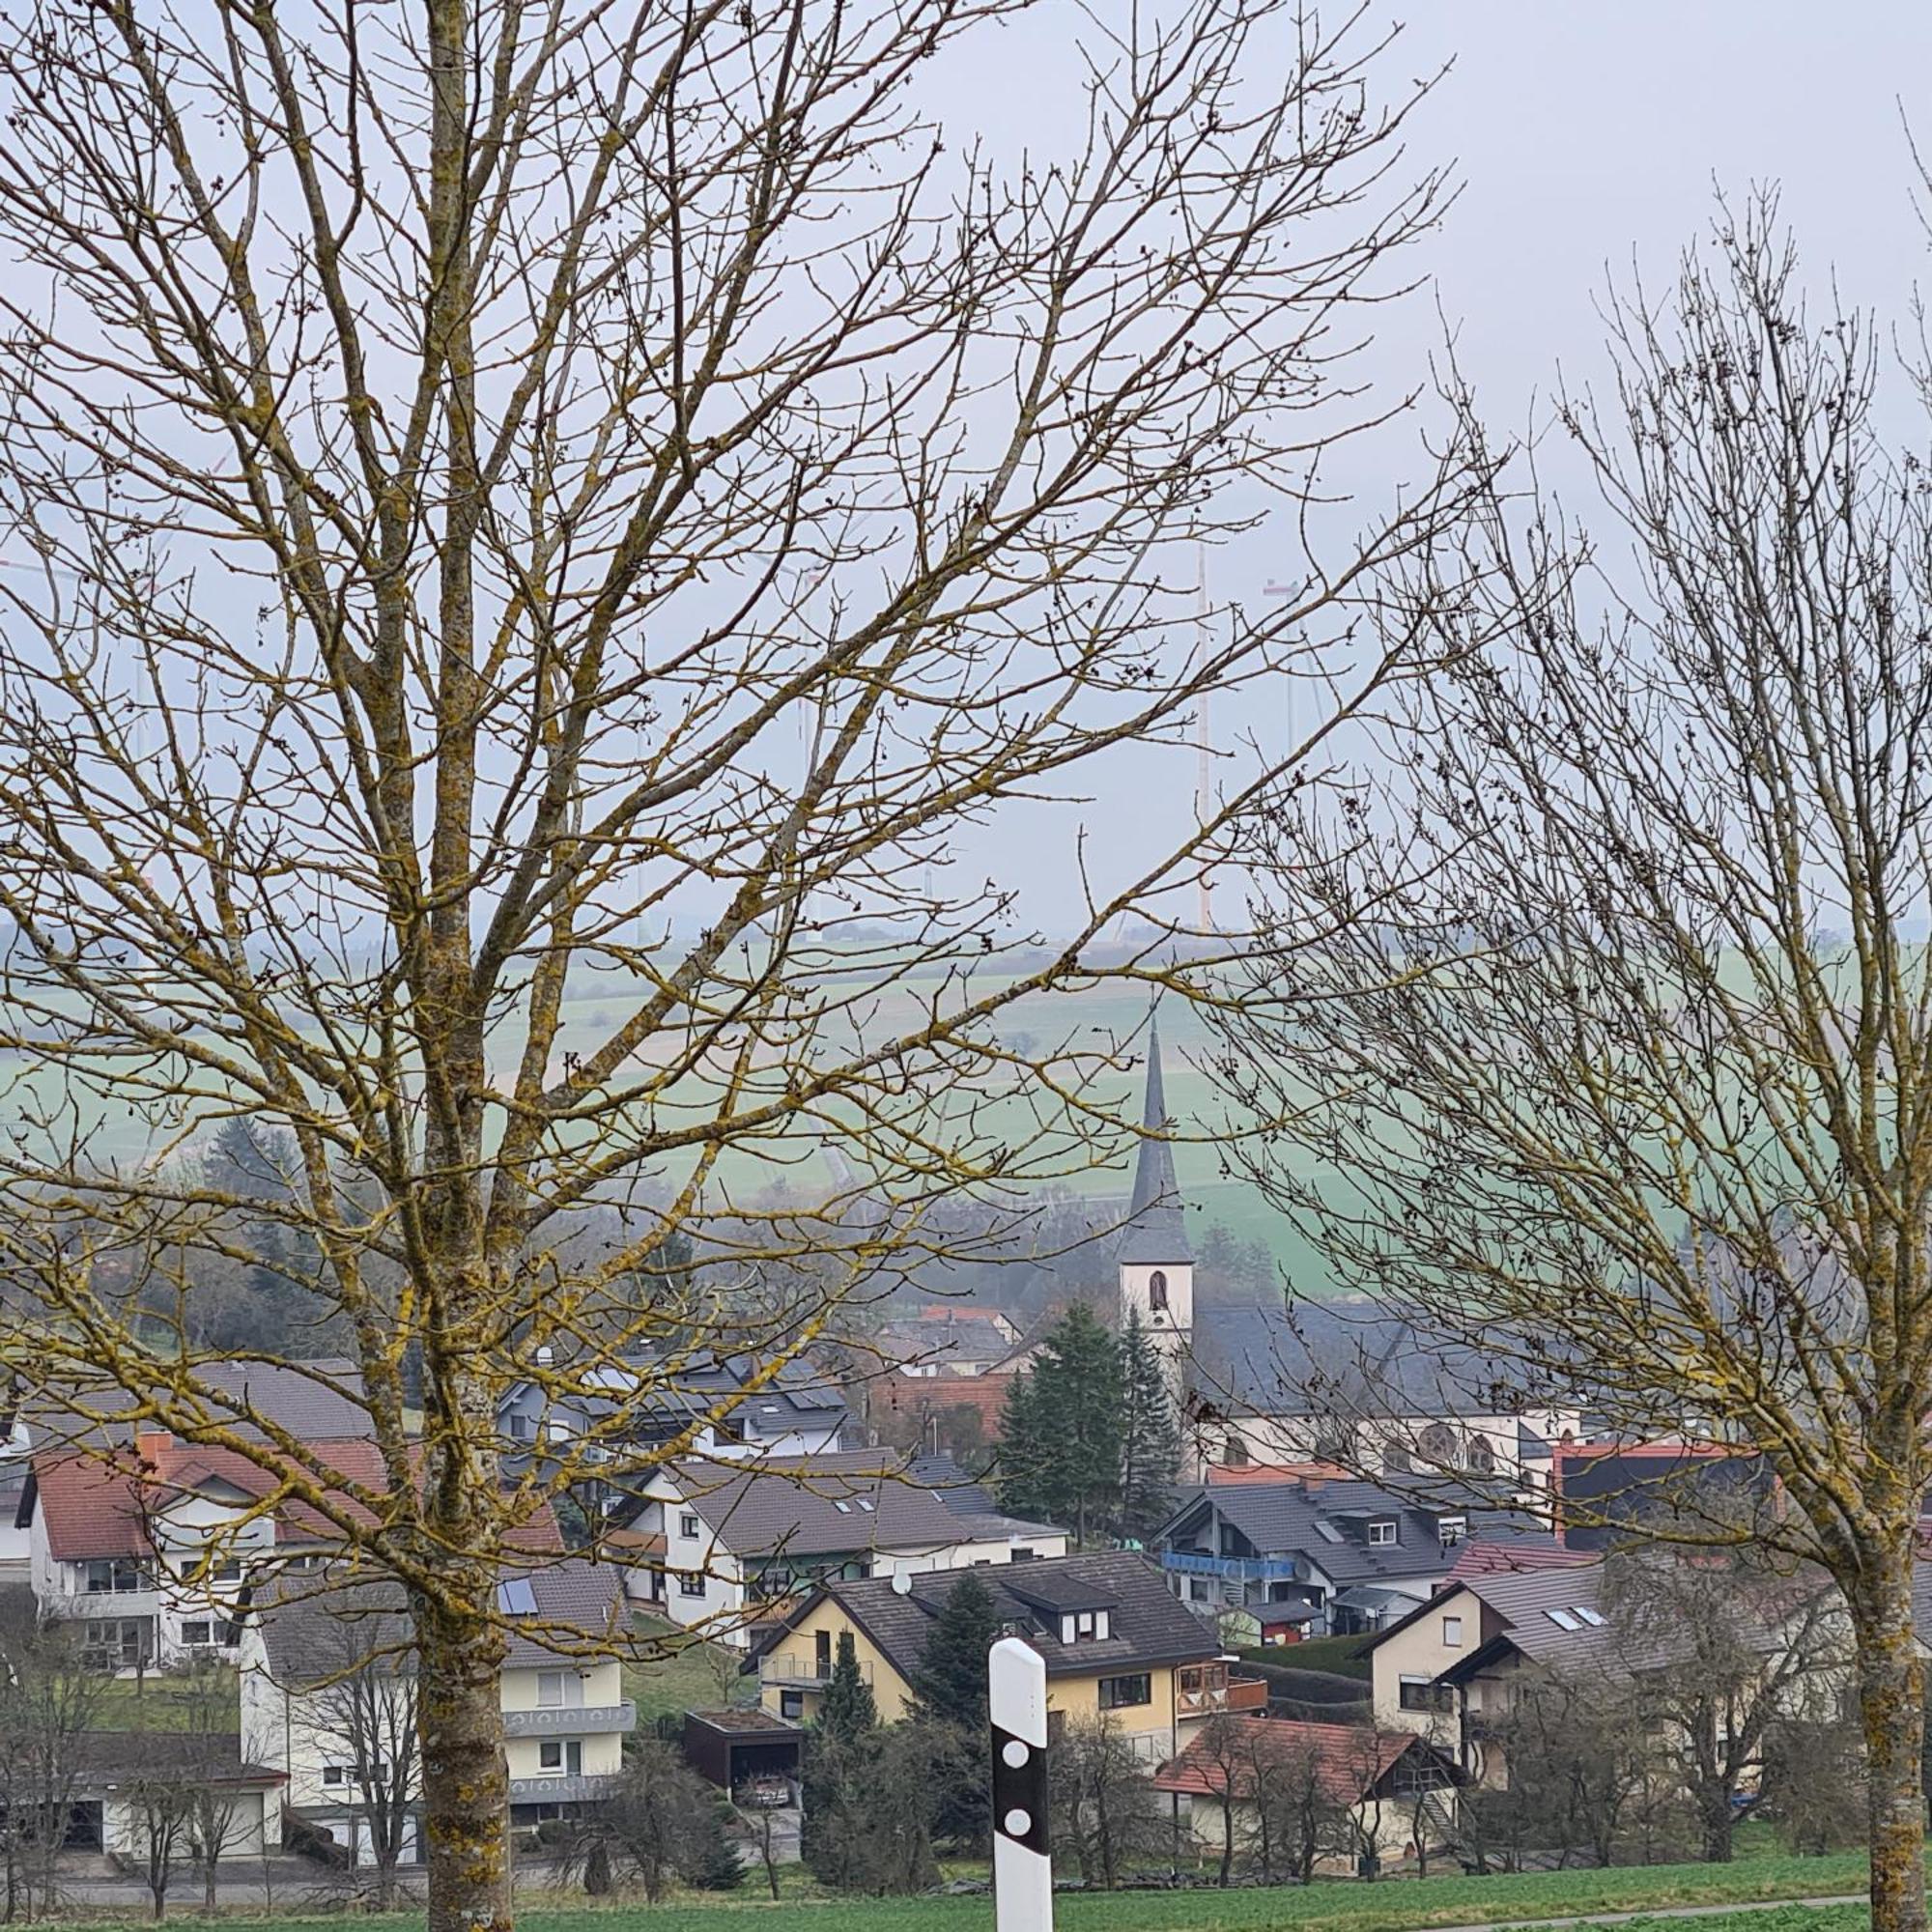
x=709, y=1542
x=1437, y=1671
x=1112, y=1636
x=150, y=1550
x=1312, y=1557
x=1394, y=1792
x=718, y=1406
x=328, y=1699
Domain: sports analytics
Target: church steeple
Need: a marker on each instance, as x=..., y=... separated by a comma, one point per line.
x=1158, y=1230
x=1156, y=1264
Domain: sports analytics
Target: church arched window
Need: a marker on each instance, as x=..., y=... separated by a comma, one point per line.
x=1156, y=1289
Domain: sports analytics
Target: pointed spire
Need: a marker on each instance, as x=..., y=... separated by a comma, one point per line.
x=1158, y=1230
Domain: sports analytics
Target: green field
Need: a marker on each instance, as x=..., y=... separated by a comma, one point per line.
x=1395, y=1905
x=1092, y=1019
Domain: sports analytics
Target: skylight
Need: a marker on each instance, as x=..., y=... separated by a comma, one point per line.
x=1567, y=1620
x=1327, y=1531
x=1591, y=1617
x=864, y=1505
x=515, y=1598
x=844, y=1508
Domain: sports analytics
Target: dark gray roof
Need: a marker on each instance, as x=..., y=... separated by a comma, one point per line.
x=853, y=1499
x=318, y=1400
x=1327, y=1522
x=1148, y=1625
x=1345, y=1357
x=107, y=1759
x=672, y=1392
x=961, y=1493
x=317, y=1628
x=1156, y=1228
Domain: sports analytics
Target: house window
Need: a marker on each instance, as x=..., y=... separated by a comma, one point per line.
x=1066, y=1629
x=562, y=1754
x=791, y=1704
x=228, y=1569
x=1382, y=1532
x=1452, y=1633
x=559, y=1690
x=1418, y=1693
x=117, y=1643
x=1103, y=1624
x=691, y=1582
x=114, y=1577
x=335, y=1774
x=1083, y=1623
x=196, y=1632
x=1235, y=1451
x=1118, y=1693
x=687, y=1523
x=1449, y=1531
x=1156, y=1289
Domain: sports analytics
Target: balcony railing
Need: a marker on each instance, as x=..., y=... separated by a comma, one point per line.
x=1233, y=1569
x=570, y=1719
x=792, y=1669
x=562, y=1790
x=1212, y=1696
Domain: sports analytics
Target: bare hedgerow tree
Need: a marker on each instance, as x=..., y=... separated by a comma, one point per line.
x=532, y=536
x=1622, y=1087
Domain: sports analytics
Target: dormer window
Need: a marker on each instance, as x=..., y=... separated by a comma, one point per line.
x=1450, y=1528
x=1157, y=1289
x=1382, y=1531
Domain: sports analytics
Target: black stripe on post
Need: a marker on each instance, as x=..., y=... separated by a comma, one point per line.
x=1019, y=1791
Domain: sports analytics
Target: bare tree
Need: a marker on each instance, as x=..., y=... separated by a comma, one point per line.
x=47, y=1704
x=1104, y=1809
x=1720, y=1647
x=547, y=531
x=1644, y=1014
x=162, y=1803
x=361, y=1715
x=1297, y=1817
x=206, y=1714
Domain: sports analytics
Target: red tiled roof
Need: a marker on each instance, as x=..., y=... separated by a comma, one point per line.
x=99, y=1506
x=1488, y=1559
x=1349, y=1761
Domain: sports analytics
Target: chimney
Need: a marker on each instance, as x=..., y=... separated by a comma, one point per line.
x=151, y=1440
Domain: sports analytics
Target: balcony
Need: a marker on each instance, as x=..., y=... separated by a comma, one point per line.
x=562, y=1790
x=796, y=1670
x=1206, y=1690
x=570, y=1719
x=1233, y=1569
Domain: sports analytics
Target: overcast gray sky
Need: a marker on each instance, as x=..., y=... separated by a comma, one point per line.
x=1590, y=138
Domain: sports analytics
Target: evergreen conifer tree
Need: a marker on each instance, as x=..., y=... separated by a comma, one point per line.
x=950, y=1686
x=838, y=1754
x=1149, y=1434
x=951, y=1681
x=847, y=1713
x=1060, y=1443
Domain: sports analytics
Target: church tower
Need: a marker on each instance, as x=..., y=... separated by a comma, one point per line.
x=1156, y=1261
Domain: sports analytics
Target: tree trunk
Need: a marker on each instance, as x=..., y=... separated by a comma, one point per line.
x=466, y=1784
x=1718, y=1820
x=1891, y=1704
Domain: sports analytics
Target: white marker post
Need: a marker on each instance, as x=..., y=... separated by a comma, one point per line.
x=1022, y=1858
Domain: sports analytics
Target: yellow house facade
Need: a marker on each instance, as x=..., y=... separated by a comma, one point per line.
x=1113, y=1638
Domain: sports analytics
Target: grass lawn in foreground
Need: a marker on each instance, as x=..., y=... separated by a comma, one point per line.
x=1392, y=1905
